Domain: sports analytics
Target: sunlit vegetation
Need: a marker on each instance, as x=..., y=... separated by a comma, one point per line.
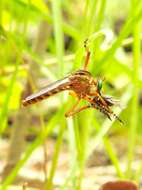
x=41, y=42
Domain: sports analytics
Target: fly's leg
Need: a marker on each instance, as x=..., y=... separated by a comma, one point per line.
x=73, y=111
x=72, y=93
x=69, y=113
x=78, y=110
x=87, y=58
x=98, y=95
x=116, y=117
x=91, y=101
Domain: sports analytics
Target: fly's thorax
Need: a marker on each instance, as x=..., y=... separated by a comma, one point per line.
x=81, y=87
x=80, y=76
x=93, y=89
x=80, y=82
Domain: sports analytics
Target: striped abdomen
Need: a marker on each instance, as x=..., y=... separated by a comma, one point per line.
x=50, y=90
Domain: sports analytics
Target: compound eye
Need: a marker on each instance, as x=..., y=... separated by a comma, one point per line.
x=100, y=84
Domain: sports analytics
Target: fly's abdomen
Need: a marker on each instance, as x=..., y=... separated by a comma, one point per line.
x=37, y=98
x=45, y=93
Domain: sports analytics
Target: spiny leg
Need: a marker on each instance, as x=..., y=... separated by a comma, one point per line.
x=87, y=55
x=100, y=97
x=69, y=113
x=79, y=110
x=88, y=99
x=116, y=117
x=72, y=93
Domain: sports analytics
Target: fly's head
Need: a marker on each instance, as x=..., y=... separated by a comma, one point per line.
x=95, y=87
x=99, y=85
x=105, y=100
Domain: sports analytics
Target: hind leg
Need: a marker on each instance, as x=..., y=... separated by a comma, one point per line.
x=87, y=58
x=72, y=110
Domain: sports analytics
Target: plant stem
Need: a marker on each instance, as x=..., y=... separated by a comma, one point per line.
x=58, y=32
x=134, y=107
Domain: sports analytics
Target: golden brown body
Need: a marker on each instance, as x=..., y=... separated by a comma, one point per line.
x=80, y=82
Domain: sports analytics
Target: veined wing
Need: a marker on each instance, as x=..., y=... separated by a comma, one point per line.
x=51, y=89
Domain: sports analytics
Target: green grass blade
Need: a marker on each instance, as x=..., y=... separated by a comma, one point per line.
x=113, y=157
x=49, y=181
x=100, y=15
x=4, y=111
x=40, y=139
x=135, y=99
x=58, y=33
x=127, y=28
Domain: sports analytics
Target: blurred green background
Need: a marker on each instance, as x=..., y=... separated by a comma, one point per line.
x=41, y=42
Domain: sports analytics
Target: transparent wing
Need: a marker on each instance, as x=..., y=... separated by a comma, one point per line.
x=51, y=89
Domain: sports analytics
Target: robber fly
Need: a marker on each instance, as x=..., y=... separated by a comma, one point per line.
x=82, y=84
